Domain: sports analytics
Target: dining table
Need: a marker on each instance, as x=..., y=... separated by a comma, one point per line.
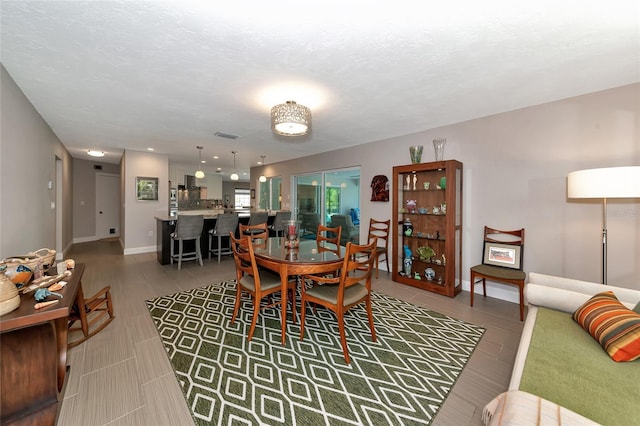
x=272, y=254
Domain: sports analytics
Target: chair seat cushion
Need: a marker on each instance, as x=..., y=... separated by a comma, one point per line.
x=268, y=280
x=329, y=293
x=498, y=272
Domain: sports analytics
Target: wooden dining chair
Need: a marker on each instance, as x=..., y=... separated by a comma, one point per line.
x=501, y=262
x=353, y=288
x=380, y=229
x=328, y=239
x=258, y=231
x=259, y=283
x=93, y=314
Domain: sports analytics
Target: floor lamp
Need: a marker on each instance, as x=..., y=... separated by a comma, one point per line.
x=609, y=182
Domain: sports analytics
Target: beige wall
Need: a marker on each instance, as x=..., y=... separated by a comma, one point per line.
x=29, y=149
x=84, y=197
x=515, y=168
x=137, y=223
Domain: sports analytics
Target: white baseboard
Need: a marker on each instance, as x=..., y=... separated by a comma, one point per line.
x=505, y=292
x=139, y=250
x=85, y=239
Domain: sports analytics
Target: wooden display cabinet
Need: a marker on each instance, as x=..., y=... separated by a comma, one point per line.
x=436, y=222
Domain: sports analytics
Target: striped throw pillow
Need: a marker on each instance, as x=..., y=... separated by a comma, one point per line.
x=612, y=324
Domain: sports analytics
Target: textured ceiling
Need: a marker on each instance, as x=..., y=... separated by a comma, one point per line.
x=115, y=75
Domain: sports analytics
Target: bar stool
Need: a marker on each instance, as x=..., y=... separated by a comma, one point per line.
x=256, y=218
x=188, y=228
x=278, y=222
x=225, y=224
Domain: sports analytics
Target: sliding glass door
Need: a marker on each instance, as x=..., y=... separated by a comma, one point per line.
x=270, y=194
x=323, y=194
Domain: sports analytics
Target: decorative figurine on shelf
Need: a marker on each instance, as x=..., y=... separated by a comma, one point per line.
x=436, y=210
x=426, y=185
x=429, y=274
x=407, y=186
x=425, y=253
x=444, y=260
x=411, y=205
x=407, y=227
x=443, y=208
x=415, y=180
x=443, y=182
x=408, y=261
x=416, y=275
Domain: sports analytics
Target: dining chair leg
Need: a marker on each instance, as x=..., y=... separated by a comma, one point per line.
x=302, y=312
x=370, y=315
x=236, y=307
x=256, y=312
x=219, y=247
x=173, y=250
x=343, y=337
x=179, y=254
x=210, y=241
x=377, y=266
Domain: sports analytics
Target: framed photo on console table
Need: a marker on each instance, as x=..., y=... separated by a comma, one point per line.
x=505, y=255
x=146, y=188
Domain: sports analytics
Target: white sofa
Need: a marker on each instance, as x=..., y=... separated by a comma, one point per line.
x=564, y=295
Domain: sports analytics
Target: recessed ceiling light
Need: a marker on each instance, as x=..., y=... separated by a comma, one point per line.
x=94, y=153
x=215, y=157
x=151, y=149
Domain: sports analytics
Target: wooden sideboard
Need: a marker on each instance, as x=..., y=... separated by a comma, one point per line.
x=33, y=354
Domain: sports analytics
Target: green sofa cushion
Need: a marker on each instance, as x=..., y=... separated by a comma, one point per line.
x=567, y=366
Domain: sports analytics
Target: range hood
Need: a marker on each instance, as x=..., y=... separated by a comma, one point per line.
x=189, y=181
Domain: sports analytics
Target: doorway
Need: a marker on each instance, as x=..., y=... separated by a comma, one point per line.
x=107, y=205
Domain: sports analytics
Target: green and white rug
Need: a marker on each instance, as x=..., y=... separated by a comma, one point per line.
x=403, y=378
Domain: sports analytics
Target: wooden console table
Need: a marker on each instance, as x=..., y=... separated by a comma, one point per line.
x=33, y=354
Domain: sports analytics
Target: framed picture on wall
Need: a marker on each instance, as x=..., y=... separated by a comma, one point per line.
x=146, y=188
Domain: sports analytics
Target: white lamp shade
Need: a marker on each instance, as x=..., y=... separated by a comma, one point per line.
x=234, y=176
x=199, y=174
x=609, y=182
x=262, y=178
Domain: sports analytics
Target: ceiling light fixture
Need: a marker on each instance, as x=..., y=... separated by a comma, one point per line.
x=94, y=153
x=199, y=172
x=234, y=175
x=262, y=177
x=290, y=119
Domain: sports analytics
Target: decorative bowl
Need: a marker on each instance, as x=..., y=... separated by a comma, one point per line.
x=422, y=210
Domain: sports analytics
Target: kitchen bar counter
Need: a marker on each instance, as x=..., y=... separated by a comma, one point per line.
x=166, y=224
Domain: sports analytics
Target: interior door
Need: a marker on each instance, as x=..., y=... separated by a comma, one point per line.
x=107, y=205
x=307, y=195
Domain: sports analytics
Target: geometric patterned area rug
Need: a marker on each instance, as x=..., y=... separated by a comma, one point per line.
x=401, y=379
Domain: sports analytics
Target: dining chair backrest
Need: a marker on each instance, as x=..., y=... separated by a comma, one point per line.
x=328, y=239
x=379, y=229
x=256, y=218
x=258, y=231
x=226, y=223
x=357, y=267
x=189, y=227
x=244, y=258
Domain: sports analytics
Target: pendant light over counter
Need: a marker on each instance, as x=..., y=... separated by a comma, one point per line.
x=199, y=173
x=234, y=175
x=262, y=177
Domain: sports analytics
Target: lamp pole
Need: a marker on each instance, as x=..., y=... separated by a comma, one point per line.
x=604, y=241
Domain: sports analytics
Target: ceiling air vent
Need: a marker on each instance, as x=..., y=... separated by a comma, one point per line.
x=97, y=167
x=226, y=135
